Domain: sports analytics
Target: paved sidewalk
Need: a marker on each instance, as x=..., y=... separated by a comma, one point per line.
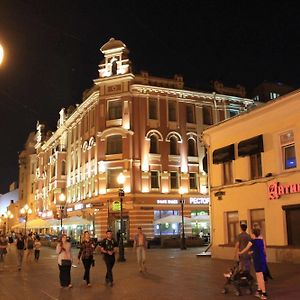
x=172, y=274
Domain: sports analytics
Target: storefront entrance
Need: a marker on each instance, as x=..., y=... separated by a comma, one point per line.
x=116, y=227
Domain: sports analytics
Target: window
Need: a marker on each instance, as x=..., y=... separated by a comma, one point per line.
x=192, y=147
x=152, y=109
x=255, y=166
x=173, y=146
x=221, y=115
x=293, y=224
x=288, y=150
x=233, y=113
x=233, y=227
x=112, y=175
x=154, y=180
x=174, y=180
x=114, y=144
x=153, y=144
x=257, y=217
x=227, y=172
x=256, y=98
x=172, y=111
x=190, y=116
x=193, y=181
x=207, y=115
x=63, y=167
x=115, y=110
x=114, y=68
x=274, y=95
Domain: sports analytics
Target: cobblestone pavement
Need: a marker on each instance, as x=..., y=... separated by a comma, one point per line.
x=171, y=274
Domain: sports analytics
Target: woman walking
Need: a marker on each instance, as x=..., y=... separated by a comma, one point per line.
x=64, y=259
x=86, y=251
x=259, y=260
x=3, y=250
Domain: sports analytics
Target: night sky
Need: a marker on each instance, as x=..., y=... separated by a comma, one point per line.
x=52, y=52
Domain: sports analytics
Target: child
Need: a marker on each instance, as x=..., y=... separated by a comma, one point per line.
x=259, y=261
x=37, y=247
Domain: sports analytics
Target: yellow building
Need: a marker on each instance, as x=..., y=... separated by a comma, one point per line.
x=254, y=176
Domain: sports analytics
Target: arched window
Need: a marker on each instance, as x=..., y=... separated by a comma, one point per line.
x=153, y=144
x=173, y=145
x=63, y=167
x=192, y=147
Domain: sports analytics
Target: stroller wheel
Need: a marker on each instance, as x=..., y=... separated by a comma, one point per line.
x=224, y=291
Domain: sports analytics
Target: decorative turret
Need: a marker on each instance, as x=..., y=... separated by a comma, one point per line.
x=116, y=60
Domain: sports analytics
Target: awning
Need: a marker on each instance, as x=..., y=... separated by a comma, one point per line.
x=75, y=221
x=37, y=224
x=172, y=219
x=224, y=154
x=251, y=146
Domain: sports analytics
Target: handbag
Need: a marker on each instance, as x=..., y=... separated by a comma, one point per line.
x=66, y=262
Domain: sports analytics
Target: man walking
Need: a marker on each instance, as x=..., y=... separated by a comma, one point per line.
x=20, y=249
x=140, y=244
x=242, y=241
x=109, y=247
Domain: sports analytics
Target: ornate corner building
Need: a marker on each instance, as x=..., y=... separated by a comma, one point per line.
x=147, y=128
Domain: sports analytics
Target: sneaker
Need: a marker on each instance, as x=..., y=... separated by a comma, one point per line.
x=70, y=286
x=263, y=296
x=89, y=285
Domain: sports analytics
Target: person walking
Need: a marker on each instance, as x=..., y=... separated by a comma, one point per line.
x=109, y=248
x=140, y=244
x=86, y=252
x=29, y=246
x=259, y=260
x=64, y=260
x=3, y=250
x=20, y=244
x=37, y=248
x=241, y=243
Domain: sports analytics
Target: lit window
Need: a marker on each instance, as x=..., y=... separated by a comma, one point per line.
x=172, y=111
x=174, y=180
x=256, y=98
x=274, y=95
x=288, y=150
x=114, y=144
x=152, y=109
x=154, y=180
x=115, y=110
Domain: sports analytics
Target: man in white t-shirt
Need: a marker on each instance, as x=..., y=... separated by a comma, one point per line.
x=140, y=244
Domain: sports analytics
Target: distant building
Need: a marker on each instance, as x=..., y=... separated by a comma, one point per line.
x=5, y=199
x=267, y=91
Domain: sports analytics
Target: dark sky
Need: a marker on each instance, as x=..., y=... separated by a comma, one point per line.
x=52, y=52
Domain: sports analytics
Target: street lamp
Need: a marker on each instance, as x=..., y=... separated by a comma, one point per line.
x=62, y=201
x=182, y=191
x=1, y=54
x=121, y=180
x=26, y=210
x=8, y=215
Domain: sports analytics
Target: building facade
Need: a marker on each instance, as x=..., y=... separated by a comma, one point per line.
x=146, y=128
x=255, y=178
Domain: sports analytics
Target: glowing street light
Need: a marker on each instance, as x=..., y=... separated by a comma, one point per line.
x=1, y=54
x=8, y=215
x=121, y=181
x=26, y=210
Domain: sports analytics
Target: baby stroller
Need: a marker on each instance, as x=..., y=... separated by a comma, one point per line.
x=239, y=279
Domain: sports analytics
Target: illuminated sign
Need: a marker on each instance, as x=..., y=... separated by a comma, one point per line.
x=116, y=206
x=70, y=209
x=275, y=189
x=167, y=201
x=201, y=200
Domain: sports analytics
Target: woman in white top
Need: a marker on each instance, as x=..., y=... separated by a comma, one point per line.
x=64, y=259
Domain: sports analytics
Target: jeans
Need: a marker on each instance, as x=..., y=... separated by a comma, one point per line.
x=141, y=257
x=87, y=262
x=36, y=254
x=20, y=255
x=109, y=261
x=64, y=275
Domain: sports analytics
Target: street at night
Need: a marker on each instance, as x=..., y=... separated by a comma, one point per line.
x=171, y=274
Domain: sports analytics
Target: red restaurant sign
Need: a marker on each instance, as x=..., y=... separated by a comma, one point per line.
x=275, y=189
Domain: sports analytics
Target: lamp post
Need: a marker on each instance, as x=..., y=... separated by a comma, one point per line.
x=26, y=210
x=1, y=54
x=8, y=215
x=62, y=203
x=121, y=180
x=182, y=191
